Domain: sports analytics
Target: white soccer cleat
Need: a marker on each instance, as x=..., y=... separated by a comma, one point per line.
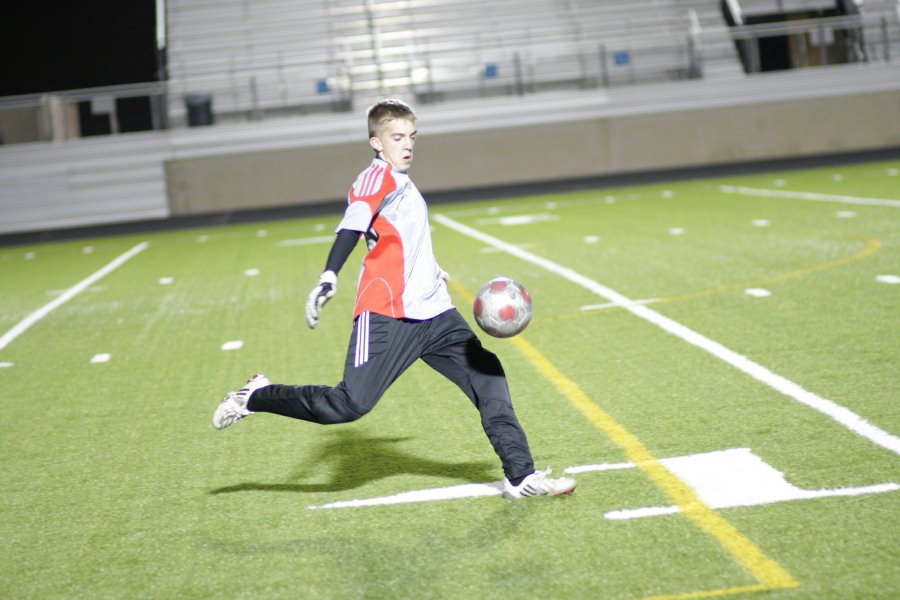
x=233, y=407
x=538, y=484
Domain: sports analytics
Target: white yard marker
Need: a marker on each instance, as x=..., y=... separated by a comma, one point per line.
x=891, y=279
x=591, y=239
x=233, y=345
x=764, y=193
x=491, y=250
x=758, y=292
x=676, y=231
x=101, y=358
x=42, y=312
x=845, y=214
x=614, y=305
x=519, y=219
x=761, y=223
x=723, y=479
x=6, y=365
x=831, y=409
x=251, y=272
x=600, y=467
x=306, y=241
x=468, y=490
x=166, y=280
x=736, y=478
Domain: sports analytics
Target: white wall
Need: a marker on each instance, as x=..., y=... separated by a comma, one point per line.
x=155, y=175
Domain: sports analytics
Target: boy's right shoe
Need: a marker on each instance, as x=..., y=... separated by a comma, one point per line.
x=538, y=484
x=233, y=407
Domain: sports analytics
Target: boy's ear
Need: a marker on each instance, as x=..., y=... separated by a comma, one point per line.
x=376, y=144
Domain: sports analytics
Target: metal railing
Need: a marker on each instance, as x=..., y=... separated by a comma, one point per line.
x=823, y=41
x=298, y=87
x=466, y=70
x=56, y=115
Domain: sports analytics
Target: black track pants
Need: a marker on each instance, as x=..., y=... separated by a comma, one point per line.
x=381, y=349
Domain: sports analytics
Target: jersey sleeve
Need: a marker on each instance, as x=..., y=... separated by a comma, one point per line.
x=357, y=217
x=371, y=187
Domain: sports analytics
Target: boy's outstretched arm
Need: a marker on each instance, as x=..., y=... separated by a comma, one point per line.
x=325, y=289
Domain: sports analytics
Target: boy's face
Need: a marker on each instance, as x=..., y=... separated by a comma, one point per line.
x=395, y=144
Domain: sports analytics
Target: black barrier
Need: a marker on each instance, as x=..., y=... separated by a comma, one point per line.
x=199, y=109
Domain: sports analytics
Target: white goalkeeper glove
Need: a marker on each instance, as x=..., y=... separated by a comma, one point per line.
x=321, y=294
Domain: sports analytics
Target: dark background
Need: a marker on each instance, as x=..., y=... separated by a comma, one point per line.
x=68, y=44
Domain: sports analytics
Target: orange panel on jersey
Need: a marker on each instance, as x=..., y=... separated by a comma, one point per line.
x=381, y=286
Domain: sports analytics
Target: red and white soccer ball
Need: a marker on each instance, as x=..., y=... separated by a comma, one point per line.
x=503, y=307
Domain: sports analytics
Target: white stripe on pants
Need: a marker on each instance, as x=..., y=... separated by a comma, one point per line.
x=362, y=340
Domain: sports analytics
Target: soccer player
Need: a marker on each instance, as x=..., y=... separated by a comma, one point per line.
x=403, y=313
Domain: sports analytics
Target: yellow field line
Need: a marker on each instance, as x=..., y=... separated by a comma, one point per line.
x=747, y=589
x=872, y=246
x=763, y=568
x=766, y=571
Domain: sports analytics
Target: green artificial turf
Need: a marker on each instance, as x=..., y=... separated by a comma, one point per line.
x=115, y=485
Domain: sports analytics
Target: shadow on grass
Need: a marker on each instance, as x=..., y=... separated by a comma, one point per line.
x=356, y=459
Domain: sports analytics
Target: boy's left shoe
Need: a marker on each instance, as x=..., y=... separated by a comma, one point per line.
x=538, y=484
x=233, y=407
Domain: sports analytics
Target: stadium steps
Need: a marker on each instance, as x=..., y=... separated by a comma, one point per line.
x=91, y=181
x=115, y=179
x=273, y=54
x=719, y=54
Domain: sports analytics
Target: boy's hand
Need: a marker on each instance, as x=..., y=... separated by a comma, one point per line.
x=321, y=294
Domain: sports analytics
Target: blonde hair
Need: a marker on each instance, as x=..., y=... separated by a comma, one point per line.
x=388, y=110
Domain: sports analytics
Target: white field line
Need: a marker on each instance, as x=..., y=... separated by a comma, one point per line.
x=324, y=239
x=455, y=492
x=842, y=415
x=766, y=193
x=70, y=293
x=614, y=305
x=729, y=478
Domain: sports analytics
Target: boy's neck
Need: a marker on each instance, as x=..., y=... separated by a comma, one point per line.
x=392, y=167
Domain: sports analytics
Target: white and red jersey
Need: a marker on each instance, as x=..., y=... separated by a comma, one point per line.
x=400, y=277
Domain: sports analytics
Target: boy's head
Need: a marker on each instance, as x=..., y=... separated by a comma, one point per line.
x=392, y=132
x=387, y=110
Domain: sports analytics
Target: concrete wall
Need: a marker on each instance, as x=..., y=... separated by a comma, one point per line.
x=20, y=125
x=263, y=179
x=483, y=143
x=579, y=148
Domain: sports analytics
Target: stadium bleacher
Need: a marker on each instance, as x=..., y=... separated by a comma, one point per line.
x=303, y=57
x=282, y=75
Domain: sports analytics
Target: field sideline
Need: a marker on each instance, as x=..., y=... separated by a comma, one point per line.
x=716, y=361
